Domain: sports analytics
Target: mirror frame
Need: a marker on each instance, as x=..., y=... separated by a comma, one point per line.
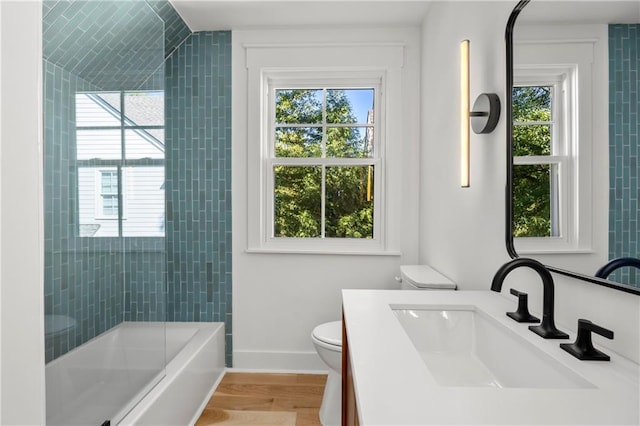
x=509, y=184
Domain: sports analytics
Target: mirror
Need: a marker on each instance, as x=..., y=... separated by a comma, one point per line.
x=572, y=137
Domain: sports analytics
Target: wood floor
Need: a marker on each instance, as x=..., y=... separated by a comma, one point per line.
x=257, y=399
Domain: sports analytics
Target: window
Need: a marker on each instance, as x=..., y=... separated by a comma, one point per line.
x=331, y=132
x=109, y=193
x=322, y=162
x=543, y=157
x=571, y=63
x=539, y=159
x=120, y=163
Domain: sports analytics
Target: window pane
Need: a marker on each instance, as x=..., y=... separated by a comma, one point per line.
x=144, y=108
x=350, y=106
x=98, y=109
x=298, y=142
x=531, y=140
x=110, y=205
x=535, y=200
x=144, y=195
x=297, y=210
x=299, y=106
x=140, y=143
x=103, y=144
x=350, y=142
x=110, y=182
x=531, y=103
x=349, y=202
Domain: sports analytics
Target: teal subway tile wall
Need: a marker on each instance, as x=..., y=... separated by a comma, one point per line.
x=91, y=283
x=100, y=282
x=81, y=281
x=198, y=191
x=624, y=143
x=112, y=44
x=176, y=31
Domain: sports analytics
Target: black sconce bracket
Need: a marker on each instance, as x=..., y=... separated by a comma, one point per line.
x=485, y=113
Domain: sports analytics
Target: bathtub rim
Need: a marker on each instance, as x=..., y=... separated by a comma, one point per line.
x=176, y=366
x=204, y=332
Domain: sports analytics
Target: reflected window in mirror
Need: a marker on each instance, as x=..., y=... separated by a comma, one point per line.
x=589, y=39
x=536, y=170
x=544, y=158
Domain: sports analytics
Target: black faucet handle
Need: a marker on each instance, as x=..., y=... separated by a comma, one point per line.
x=583, y=348
x=522, y=313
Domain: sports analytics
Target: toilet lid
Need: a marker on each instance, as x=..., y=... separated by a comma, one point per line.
x=330, y=332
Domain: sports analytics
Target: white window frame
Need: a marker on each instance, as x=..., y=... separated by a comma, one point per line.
x=572, y=154
x=302, y=80
x=354, y=65
x=562, y=81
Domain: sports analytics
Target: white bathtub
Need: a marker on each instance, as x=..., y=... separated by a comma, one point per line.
x=105, y=378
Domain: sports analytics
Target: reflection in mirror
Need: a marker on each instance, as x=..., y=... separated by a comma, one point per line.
x=572, y=196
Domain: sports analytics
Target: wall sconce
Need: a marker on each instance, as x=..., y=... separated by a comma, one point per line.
x=483, y=118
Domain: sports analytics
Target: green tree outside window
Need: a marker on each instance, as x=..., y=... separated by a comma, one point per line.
x=322, y=123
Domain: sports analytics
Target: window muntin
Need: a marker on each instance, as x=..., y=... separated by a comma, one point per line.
x=120, y=157
x=540, y=150
x=321, y=162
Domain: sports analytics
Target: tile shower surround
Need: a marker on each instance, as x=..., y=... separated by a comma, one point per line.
x=624, y=147
x=103, y=281
x=198, y=171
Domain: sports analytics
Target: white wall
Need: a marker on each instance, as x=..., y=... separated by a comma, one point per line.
x=462, y=230
x=279, y=298
x=21, y=268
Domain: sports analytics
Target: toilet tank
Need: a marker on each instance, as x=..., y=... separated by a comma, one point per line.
x=423, y=277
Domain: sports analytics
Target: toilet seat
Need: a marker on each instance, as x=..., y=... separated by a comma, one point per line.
x=329, y=335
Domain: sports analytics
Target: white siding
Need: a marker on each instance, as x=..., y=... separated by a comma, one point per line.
x=143, y=203
x=89, y=113
x=136, y=146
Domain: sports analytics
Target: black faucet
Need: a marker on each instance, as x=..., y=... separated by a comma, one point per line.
x=618, y=263
x=546, y=328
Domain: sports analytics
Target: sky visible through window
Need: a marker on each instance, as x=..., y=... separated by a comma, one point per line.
x=361, y=102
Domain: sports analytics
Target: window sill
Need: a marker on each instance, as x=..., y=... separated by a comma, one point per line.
x=340, y=252
x=547, y=246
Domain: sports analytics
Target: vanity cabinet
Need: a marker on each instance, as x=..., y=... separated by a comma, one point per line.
x=349, y=406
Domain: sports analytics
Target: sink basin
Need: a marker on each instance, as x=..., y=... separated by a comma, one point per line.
x=465, y=347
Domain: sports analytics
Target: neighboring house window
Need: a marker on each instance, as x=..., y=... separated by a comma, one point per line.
x=544, y=163
x=120, y=157
x=109, y=193
x=323, y=163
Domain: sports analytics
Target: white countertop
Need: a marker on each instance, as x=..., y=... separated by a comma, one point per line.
x=394, y=386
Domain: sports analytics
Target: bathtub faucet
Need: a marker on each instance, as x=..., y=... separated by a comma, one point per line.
x=546, y=328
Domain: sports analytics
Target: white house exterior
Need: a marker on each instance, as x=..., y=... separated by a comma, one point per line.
x=120, y=158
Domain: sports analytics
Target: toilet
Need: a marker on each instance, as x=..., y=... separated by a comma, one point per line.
x=327, y=338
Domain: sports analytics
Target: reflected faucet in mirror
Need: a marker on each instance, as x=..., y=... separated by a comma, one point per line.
x=547, y=327
x=616, y=264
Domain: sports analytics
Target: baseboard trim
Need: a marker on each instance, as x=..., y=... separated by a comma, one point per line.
x=278, y=362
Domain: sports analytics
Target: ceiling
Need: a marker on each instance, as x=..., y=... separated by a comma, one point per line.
x=209, y=15
x=582, y=12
